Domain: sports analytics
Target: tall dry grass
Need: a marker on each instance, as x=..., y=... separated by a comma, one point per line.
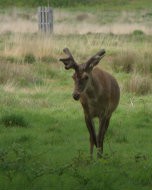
x=130, y=54
x=42, y=46
x=21, y=45
x=17, y=75
x=138, y=66
x=138, y=84
x=77, y=22
x=133, y=61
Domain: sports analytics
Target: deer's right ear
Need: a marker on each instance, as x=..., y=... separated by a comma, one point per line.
x=94, y=60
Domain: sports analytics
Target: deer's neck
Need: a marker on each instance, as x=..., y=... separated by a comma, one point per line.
x=92, y=88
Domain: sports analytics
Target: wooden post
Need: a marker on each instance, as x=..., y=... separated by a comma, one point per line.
x=45, y=19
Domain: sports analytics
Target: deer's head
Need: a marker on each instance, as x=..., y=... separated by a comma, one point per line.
x=82, y=74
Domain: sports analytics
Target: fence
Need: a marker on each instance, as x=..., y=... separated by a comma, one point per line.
x=45, y=19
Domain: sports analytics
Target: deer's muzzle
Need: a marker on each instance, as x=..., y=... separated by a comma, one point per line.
x=76, y=96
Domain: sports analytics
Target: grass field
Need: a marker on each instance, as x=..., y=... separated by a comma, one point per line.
x=44, y=143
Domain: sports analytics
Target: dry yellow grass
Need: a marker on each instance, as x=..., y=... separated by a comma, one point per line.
x=139, y=85
x=18, y=45
x=65, y=22
x=21, y=45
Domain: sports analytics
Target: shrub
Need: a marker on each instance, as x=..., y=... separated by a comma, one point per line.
x=14, y=120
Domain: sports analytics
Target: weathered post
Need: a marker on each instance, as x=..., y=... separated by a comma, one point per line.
x=45, y=19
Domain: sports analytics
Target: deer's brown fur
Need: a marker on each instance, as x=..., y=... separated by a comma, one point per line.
x=98, y=92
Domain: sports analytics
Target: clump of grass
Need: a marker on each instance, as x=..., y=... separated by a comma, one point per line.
x=138, y=32
x=9, y=59
x=122, y=139
x=124, y=62
x=139, y=85
x=23, y=139
x=129, y=62
x=30, y=47
x=14, y=120
x=144, y=64
x=29, y=58
x=48, y=59
x=18, y=74
x=3, y=73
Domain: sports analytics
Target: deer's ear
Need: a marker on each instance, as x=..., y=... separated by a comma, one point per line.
x=94, y=60
x=69, y=62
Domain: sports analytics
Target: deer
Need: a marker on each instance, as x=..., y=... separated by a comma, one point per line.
x=98, y=92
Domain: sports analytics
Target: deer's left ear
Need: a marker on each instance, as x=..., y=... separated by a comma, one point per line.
x=69, y=62
x=94, y=60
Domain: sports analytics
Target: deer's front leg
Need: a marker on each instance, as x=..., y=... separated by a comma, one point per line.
x=103, y=126
x=92, y=133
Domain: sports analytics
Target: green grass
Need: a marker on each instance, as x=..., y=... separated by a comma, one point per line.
x=54, y=151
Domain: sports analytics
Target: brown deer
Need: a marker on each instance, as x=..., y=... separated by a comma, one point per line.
x=98, y=93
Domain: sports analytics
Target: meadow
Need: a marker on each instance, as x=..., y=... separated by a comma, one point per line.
x=44, y=143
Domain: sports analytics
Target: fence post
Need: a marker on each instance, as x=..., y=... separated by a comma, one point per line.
x=45, y=19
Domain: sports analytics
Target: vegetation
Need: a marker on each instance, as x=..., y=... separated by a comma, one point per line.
x=13, y=120
x=102, y=4
x=43, y=139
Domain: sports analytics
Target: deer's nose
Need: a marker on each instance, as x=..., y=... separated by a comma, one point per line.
x=76, y=96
